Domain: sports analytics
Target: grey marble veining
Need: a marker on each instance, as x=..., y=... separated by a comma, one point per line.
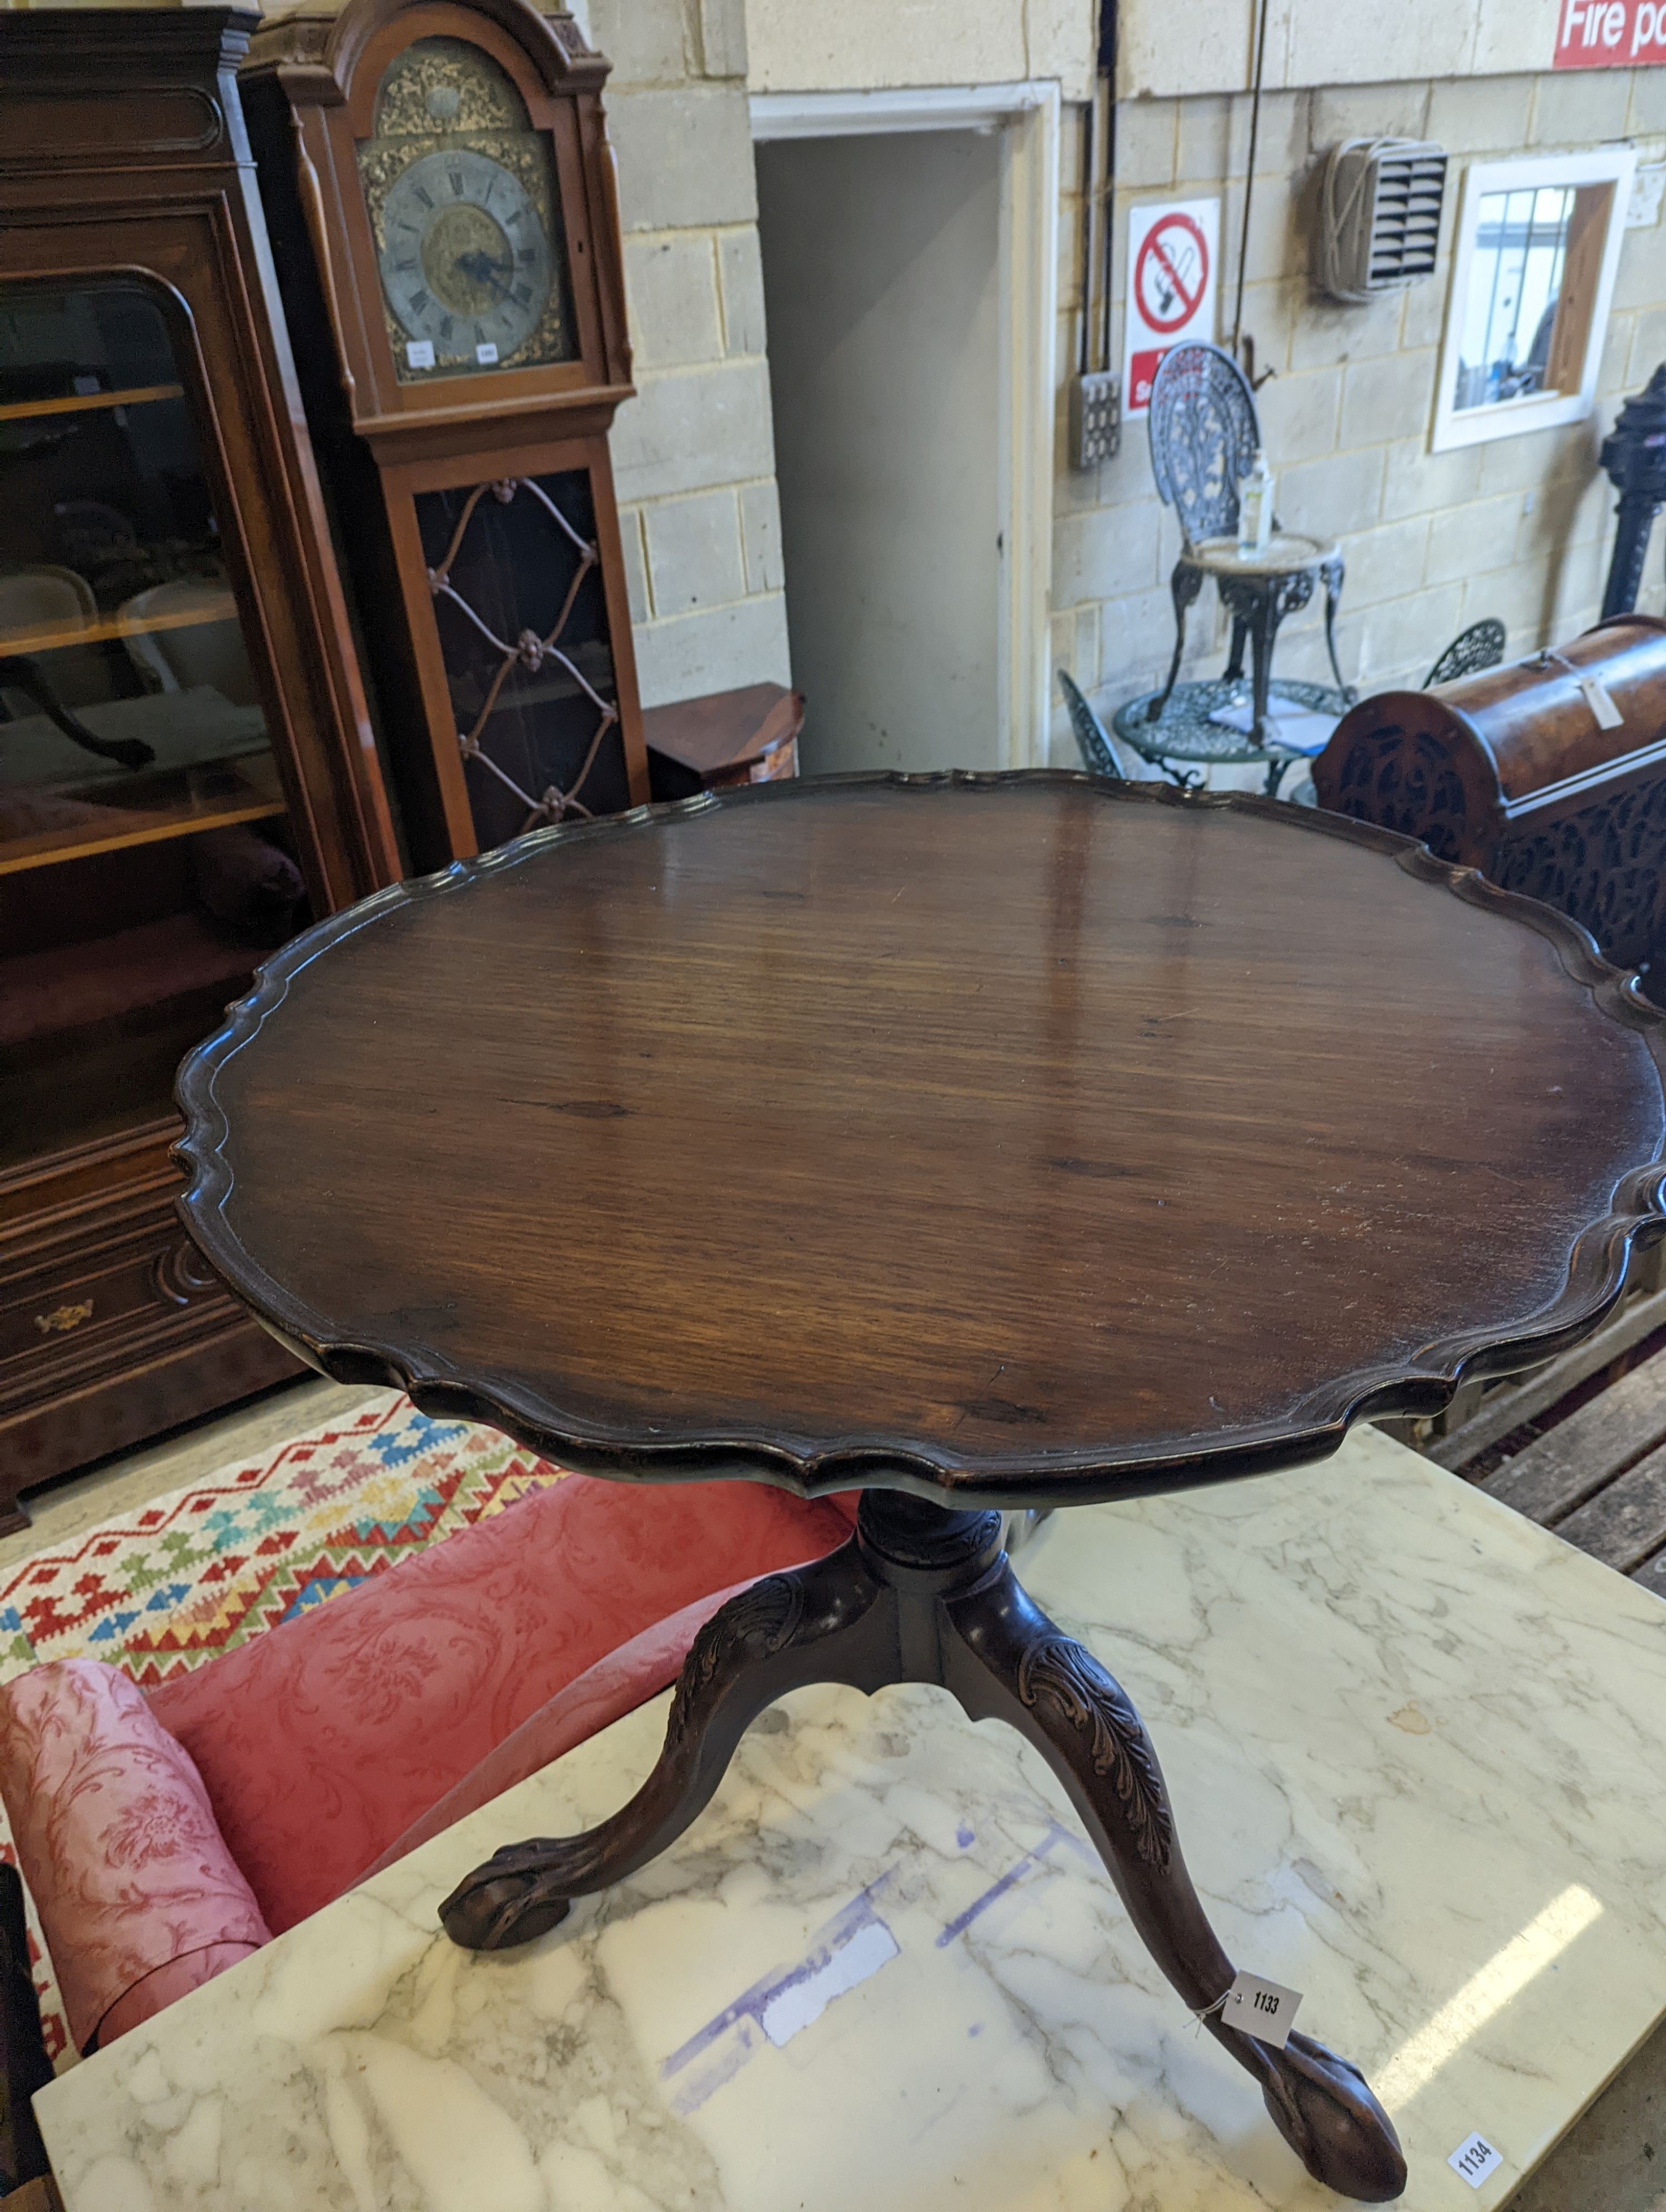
x=1417, y=1749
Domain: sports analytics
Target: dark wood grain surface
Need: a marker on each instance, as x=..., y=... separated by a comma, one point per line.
x=1117, y=1138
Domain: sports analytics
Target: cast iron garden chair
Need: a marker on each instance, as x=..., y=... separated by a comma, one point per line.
x=1092, y=740
x=1204, y=434
x=1480, y=645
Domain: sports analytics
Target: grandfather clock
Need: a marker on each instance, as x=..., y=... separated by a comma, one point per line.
x=441, y=193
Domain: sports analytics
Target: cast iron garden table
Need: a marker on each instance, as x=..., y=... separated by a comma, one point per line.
x=981, y=1141
x=1186, y=733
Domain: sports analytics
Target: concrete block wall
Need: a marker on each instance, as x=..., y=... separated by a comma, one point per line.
x=693, y=453
x=1520, y=527
x=1180, y=47
x=872, y=45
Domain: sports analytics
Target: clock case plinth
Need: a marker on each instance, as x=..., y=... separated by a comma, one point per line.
x=387, y=446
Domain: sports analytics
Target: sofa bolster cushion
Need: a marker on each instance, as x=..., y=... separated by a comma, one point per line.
x=117, y=1843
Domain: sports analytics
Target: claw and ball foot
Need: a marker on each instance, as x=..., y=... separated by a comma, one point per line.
x=515, y=1897
x=1322, y=2106
x=924, y=1595
x=784, y=1631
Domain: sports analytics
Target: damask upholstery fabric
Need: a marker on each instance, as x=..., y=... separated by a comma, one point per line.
x=131, y=1875
x=341, y=1739
x=604, y=1693
x=323, y=1742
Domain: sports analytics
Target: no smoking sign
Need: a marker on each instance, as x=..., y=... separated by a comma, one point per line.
x=1172, y=254
x=1172, y=272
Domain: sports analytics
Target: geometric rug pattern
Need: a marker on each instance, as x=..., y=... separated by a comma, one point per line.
x=178, y=1581
x=172, y=1583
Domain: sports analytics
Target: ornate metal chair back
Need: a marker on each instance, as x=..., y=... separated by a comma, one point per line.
x=1092, y=738
x=1480, y=645
x=1204, y=432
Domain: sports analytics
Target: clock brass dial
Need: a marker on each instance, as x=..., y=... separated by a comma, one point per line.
x=465, y=260
x=466, y=216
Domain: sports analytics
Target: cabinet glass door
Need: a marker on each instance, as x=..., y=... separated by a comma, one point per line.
x=146, y=864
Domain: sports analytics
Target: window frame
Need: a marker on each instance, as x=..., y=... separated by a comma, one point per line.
x=1612, y=166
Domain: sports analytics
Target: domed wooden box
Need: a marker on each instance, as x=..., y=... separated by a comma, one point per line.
x=1548, y=775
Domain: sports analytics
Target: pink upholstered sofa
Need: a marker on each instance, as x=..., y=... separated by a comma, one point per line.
x=165, y=1835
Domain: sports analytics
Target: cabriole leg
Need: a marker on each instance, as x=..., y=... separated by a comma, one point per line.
x=1185, y=585
x=814, y=1624
x=1012, y=1664
x=1333, y=577
x=925, y=1594
x=1263, y=629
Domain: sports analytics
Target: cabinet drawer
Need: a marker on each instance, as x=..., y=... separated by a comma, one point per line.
x=65, y=1310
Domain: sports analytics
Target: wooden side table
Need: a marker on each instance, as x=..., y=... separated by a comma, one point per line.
x=748, y=736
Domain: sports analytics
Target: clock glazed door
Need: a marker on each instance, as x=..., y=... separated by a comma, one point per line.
x=441, y=169
x=514, y=591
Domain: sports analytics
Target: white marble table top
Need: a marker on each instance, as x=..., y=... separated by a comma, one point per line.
x=1417, y=1749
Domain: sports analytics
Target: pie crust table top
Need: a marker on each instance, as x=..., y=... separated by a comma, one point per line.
x=1008, y=1140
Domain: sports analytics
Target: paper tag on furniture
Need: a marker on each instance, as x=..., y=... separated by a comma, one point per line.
x=1263, y=2009
x=1598, y=698
x=1474, y=2159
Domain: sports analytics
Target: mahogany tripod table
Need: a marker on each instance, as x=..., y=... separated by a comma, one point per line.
x=982, y=1142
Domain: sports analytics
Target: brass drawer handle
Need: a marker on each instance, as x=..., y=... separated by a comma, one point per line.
x=61, y=1319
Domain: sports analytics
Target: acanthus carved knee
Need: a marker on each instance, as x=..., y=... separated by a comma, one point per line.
x=1055, y=1668
x=754, y=1626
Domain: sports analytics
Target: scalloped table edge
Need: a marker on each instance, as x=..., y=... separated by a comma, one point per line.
x=1424, y=1385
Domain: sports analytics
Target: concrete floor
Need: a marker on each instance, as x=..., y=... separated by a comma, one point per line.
x=1614, y=2160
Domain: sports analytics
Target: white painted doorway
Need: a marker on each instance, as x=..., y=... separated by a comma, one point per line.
x=908, y=245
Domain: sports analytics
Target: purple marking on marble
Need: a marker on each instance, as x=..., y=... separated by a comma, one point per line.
x=844, y=1952
x=963, y=1835
x=1013, y=1874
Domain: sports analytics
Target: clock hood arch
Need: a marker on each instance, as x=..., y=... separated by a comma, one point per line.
x=327, y=70
x=466, y=215
x=322, y=62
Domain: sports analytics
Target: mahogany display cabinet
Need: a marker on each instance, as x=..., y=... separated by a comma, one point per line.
x=187, y=769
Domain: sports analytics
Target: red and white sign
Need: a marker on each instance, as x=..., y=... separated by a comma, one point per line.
x=1610, y=34
x=1172, y=255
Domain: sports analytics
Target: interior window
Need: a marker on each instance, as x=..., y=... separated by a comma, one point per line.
x=1535, y=252
x=1514, y=288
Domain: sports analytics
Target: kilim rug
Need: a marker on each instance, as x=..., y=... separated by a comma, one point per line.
x=196, y=1573
x=175, y=1582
